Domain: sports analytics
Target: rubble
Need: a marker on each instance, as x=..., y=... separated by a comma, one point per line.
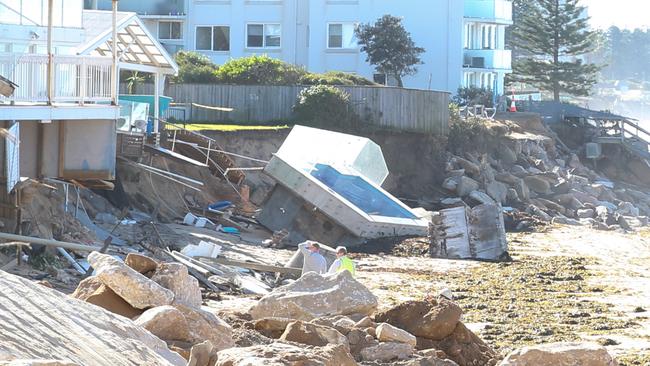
x=387, y=351
x=286, y=354
x=560, y=354
x=431, y=319
x=312, y=334
x=314, y=295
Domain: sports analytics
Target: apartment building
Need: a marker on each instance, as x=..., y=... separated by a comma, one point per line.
x=463, y=39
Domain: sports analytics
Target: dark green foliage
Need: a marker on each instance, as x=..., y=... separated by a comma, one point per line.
x=334, y=78
x=626, y=53
x=474, y=95
x=389, y=47
x=194, y=67
x=553, y=33
x=258, y=70
x=323, y=106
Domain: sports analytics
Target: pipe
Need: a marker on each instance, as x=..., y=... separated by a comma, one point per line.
x=71, y=260
x=48, y=242
x=114, y=49
x=50, y=56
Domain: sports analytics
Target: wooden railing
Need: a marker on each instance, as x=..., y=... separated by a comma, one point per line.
x=77, y=79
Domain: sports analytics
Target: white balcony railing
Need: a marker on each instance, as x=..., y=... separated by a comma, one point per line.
x=488, y=59
x=77, y=79
x=497, y=10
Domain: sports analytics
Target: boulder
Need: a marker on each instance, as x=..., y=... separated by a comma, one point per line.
x=165, y=322
x=40, y=321
x=339, y=322
x=313, y=334
x=204, y=325
x=314, y=295
x=174, y=277
x=135, y=288
x=628, y=209
x=428, y=319
x=518, y=171
x=86, y=288
x=481, y=198
x=498, y=191
x=466, y=349
x=507, y=178
x=106, y=298
x=465, y=186
x=585, y=213
x=388, y=333
x=560, y=354
x=281, y=354
x=34, y=362
x=387, y=351
x=272, y=327
x=522, y=190
x=534, y=210
x=506, y=155
x=140, y=263
x=471, y=168
x=203, y=354
x=538, y=184
x=512, y=195
x=359, y=339
x=450, y=184
x=561, y=220
x=365, y=323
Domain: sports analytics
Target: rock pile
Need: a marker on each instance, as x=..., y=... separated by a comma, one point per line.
x=526, y=172
x=161, y=297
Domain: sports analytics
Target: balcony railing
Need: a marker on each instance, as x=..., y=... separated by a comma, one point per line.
x=497, y=10
x=488, y=59
x=77, y=79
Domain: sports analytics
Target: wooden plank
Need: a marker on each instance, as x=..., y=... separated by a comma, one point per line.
x=250, y=265
x=87, y=174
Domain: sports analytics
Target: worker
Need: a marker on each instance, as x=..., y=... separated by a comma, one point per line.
x=342, y=262
x=313, y=260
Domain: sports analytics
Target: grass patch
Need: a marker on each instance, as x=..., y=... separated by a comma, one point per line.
x=227, y=128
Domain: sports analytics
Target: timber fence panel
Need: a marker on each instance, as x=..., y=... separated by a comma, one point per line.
x=415, y=110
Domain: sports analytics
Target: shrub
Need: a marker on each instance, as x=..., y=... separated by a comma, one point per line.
x=194, y=67
x=323, y=105
x=474, y=95
x=259, y=70
x=334, y=78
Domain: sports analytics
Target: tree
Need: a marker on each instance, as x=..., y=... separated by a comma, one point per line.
x=555, y=33
x=194, y=67
x=389, y=47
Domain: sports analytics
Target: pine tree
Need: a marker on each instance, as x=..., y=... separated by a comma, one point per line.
x=554, y=33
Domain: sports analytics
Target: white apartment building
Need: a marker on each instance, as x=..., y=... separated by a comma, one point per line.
x=463, y=39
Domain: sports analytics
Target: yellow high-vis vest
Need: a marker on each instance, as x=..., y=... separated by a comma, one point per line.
x=347, y=264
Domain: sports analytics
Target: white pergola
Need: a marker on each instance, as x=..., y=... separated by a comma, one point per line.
x=137, y=48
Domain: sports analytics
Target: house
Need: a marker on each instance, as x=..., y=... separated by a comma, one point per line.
x=63, y=115
x=463, y=39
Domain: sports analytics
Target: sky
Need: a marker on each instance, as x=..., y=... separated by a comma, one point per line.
x=621, y=13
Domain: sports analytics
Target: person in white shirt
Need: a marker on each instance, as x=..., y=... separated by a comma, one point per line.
x=313, y=260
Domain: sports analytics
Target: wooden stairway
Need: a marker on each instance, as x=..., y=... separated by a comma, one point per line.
x=629, y=135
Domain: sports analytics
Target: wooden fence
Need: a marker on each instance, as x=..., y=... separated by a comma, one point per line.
x=396, y=108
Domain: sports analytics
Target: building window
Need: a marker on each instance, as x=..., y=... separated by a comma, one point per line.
x=341, y=35
x=170, y=30
x=263, y=35
x=214, y=38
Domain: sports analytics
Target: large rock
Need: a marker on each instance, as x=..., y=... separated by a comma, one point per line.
x=387, y=351
x=466, y=349
x=314, y=295
x=388, y=333
x=507, y=155
x=203, y=354
x=165, y=322
x=140, y=263
x=272, y=327
x=135, y=288
x=538, y=184
x=465, y=186
x=106, y=298
x=560, y=354
x=359, y=339
x=39, y=323
x=313, y=334
x=281, y=354
x=481, y=198
x=86, y=288
x=204, y=325
x=469, y=167
x=428, y=319
x=498, y=191
x=174, y=277
x=40, y=362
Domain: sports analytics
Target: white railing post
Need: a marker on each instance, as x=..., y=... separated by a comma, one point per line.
x=83, y=76
x=174, y=140
x=207, y=154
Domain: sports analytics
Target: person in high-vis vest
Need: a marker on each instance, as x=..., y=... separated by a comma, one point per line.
x=342, y=262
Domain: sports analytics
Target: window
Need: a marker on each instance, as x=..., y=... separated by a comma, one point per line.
x=170, y=30
x=263, y=35
x=213, y=38
x=341, y=35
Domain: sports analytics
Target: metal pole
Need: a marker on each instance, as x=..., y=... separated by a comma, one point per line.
x=156, y=107
x=47, y=242
x=114, y=49
x=50, y=57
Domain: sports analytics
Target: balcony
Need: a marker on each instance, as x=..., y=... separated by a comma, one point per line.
x=488, y=59
x=497, y=11
x=77, y=79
